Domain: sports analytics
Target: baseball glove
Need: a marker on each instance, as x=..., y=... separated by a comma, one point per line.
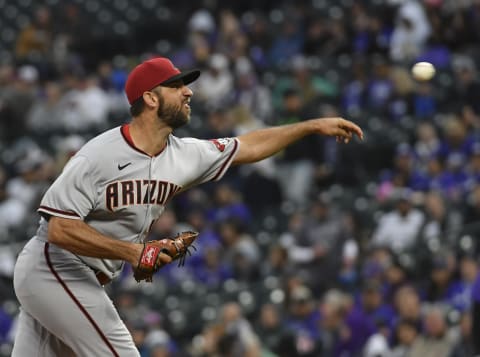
x=177, y=248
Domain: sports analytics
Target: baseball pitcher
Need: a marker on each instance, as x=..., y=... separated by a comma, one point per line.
x=97, y=214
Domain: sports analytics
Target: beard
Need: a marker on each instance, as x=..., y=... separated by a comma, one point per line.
x=173, y=116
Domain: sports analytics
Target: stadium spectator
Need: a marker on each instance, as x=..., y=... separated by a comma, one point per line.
x=317, y=246
x=406, y=332
x=270, y=327
x=464, y=346
x=277, y=263
x=250, y=93
x=435, y=340
x=407, y=305
x=13, y=210
x=72, y=34
x=380, y=86
x=288, y=43
x=410, y=33
x=376, y=309
x=239, y=251
x=228, y=205
x=442, y=224
x=87, y=106
x=212, y=270
x=215, y=86
x=18, y=99
x=34, y=41
x=295, y=168
x=472, y=207
x=403, y=100
x=34, y=170
x=427, y=144
x=461, y=297
x=398, y=229
x=45, y=117
x=302, y=319
x=424, y=102
x=467, y=87
x=441, y=283
x=238, y=339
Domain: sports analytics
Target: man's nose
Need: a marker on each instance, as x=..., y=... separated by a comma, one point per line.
x=187, y=91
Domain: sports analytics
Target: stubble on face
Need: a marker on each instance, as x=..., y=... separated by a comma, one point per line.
x=172, y=115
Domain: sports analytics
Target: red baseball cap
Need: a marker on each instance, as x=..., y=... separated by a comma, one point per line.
x=154, y=72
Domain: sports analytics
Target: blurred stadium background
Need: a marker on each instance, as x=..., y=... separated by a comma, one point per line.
x=366, y=249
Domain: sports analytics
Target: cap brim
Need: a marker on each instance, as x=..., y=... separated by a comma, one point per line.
x=186, y=77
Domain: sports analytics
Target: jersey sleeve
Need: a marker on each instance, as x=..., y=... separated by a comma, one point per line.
x=72, y=195
x=214, y=157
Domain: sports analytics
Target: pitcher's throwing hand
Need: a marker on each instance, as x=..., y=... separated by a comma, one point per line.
x=342, y=129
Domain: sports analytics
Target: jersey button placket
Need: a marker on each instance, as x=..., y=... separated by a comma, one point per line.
x=149, y=204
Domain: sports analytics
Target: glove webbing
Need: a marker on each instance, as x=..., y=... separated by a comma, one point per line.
x=181, y=252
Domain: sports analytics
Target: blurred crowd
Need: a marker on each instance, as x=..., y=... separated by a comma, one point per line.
x=366, y=249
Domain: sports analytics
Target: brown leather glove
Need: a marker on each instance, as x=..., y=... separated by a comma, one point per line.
x=177, y=248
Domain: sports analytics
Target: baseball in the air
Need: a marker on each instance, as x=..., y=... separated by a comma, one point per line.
x=423, y=71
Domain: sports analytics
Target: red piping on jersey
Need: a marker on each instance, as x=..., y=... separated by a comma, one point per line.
x=125, y=130
x=227, y=161
x=75, y=300
x=53, y=210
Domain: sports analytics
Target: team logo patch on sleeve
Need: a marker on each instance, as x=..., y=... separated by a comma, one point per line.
x=220, y=143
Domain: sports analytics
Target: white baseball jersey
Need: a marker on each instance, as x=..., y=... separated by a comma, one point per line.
x=120, y=190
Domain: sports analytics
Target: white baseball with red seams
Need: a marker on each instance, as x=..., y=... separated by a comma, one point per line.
x=423, y=71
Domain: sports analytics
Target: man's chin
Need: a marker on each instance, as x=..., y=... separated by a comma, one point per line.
x=179, y=122
x=186, y=119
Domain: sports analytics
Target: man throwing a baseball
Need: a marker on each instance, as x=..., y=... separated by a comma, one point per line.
x=97, y=214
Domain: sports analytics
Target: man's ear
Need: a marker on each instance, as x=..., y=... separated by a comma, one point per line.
x=150, y=98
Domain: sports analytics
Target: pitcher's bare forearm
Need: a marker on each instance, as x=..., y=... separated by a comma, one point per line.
x=260, y=144
x=79, y=238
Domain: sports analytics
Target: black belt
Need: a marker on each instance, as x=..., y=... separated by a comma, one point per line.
x=102, y=278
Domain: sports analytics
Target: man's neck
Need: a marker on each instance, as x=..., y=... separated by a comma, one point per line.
x=149, y=134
